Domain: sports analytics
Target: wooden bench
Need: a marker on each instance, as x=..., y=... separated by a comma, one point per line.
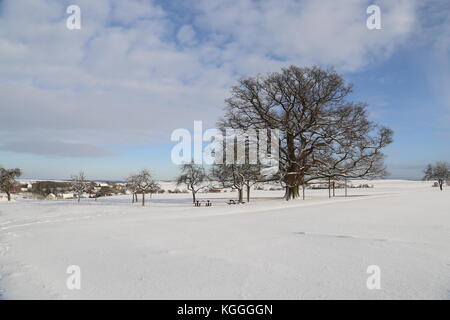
x=199, y=203
x=231, y=201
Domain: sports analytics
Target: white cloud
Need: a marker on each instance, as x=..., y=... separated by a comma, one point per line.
x=131, y=11
x=57, y=148
x=435, y=36
x=186, y=35
x=132, y=72
x=311, y=32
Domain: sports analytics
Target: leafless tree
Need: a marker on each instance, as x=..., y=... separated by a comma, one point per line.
x=146, y=184
x=243, y=168
x=354, y=151
x=309, y=106
x=237, y=176
x=439, y=172
x=8, y=180
x=229, y=176
x=132, y=185
x=193, y=176
x=79, y=184
x=251, y=175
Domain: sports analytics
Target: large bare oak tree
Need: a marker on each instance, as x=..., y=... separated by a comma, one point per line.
x=322, y=133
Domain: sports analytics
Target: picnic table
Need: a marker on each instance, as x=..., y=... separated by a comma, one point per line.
x=199, y=203
x=231, y=201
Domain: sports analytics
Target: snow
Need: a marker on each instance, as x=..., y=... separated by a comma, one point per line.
x=265, y=249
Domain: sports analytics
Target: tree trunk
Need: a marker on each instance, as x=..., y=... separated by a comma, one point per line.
x=79, y=197
x=143, y=199
x=248, y=193
x=441, y=183
x=334, y=189
x=346, y=193
x=8, y=194
x=240, y=195
x=303, y=191
x=329, y=188
x=291, y=192
x=292, y=178
x=193, y=196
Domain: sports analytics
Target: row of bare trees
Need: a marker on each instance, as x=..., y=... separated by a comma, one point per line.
x=139, y=183
x=9, y=183
x=323, y=136
x=238, y=177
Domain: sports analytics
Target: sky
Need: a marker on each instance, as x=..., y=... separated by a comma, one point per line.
x=105, y=98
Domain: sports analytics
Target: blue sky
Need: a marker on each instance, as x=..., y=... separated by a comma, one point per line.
x=105, y=98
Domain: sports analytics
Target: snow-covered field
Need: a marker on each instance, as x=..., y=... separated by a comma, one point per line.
x=266, y=249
